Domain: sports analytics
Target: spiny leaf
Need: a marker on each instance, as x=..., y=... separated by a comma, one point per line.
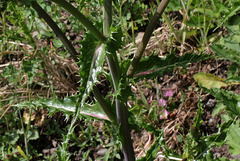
x=89, y=45
x=115, y=41
x=226, y=53
x=91, y=64
x=209, y=80
x=155, y=66
x=67, y=106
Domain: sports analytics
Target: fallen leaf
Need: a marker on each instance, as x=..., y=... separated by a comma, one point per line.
x=209, y=80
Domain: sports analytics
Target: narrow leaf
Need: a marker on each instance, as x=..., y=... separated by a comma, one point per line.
x=22, y=152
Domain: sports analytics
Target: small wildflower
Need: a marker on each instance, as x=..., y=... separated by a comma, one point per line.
x=164, y=114
x=162, y=102
x=149, y=101
x=169, y=93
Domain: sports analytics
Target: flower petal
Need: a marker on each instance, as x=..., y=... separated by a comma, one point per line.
x=162, y=102
x=169, y=93
x=164, y=114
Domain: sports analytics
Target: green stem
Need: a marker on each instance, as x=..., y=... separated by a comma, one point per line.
x=88, y=24
x=107, y=15
x=125, y=133
x=24, y=133
x=121, y=109
x=146, y=37
x=106, y=108
x=171, y=28
x=56, y=29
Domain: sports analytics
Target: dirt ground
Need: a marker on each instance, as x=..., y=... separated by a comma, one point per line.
x=180, y=81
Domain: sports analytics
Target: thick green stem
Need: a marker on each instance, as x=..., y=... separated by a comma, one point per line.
x=125, y=133
x=88, y=24
x=152, y=25
x=106, y=108
x=121, y=109
x=56, y=29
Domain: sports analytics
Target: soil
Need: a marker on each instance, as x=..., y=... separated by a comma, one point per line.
x=180, y=81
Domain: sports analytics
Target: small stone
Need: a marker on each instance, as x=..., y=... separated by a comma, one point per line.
x=54, y=143
x=101, y=152
x=216, y=155
x=211, y=103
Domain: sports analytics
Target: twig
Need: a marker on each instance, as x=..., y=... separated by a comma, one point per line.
x=146, y=38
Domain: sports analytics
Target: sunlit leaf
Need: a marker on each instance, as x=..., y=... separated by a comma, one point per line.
x=32, y=135
x=90, y=45
x=233, y=139
x=22, y=152
x=234, y=9
x=68, y=107
x=208, y=80
x=218, y=108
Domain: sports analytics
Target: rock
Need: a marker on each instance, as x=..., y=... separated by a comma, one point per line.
x=101, y=152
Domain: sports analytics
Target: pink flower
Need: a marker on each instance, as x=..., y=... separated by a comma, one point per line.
x=164, y=114
x=169, y=93
x=162, y=102
x=149, y=101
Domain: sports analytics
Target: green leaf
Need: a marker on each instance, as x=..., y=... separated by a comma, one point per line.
x=208, y=80
x=219, y=138
x=115, y=42
x=226, y=53
x=30, y=67
x=233, y=70
x=198, y=119
x=155, y=66
x=233, y=138
x=68, y=107
x=234, y=20
x=32, y=135
x=91, y=63
x=57, y=43
x=3, y=5
x=228, y=98
x=234, y=9
x=10, y=73
x=11, y=137
x=22, y=152
x=218, y=108
x=173, y=5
